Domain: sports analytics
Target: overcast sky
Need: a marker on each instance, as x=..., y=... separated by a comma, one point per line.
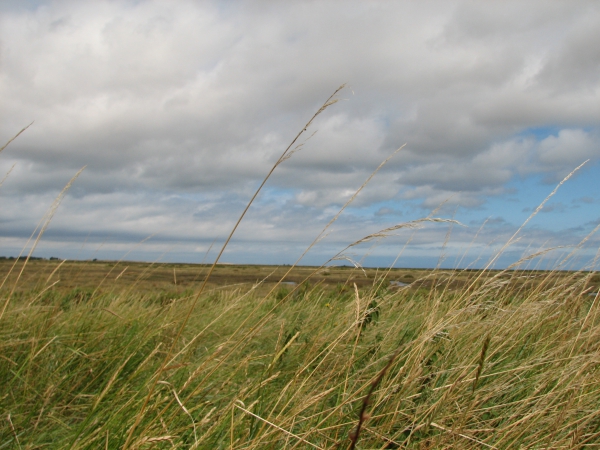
x=179, y=109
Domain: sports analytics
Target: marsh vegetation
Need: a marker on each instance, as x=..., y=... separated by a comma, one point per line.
x=479, y=359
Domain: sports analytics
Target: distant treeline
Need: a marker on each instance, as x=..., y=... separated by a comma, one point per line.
x=31, y=258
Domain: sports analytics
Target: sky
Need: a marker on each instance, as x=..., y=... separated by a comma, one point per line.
x=178, y=110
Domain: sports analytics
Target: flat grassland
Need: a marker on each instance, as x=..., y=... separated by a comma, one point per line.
x=128, y=276
x=127, y=355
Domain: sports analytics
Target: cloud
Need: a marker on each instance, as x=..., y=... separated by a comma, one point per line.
x=569, y=148
x=575, y=64
x=585, y=199
x=383, y=211
x=178, y=110
x=554, y=207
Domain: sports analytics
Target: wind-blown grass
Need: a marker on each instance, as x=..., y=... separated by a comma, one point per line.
x=497, y=364
x=497, y=368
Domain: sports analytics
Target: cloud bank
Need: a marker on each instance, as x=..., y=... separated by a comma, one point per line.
x=179, y=109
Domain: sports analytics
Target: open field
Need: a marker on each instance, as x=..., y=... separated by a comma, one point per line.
x=127, y=276
x=92, y=358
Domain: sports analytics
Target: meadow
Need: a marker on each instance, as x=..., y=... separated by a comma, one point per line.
x=455, y=359
x=115, y=355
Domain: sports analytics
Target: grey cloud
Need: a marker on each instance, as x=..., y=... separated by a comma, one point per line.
x=586, y=199
x=492, y=221
x=592, y=223
x=576, y=63
x=554, y=207
x=568, y=148
x=384, y=211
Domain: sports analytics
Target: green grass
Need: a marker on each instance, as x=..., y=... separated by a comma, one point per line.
x=252, y=371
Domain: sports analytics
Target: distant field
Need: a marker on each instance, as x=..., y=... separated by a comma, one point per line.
x=112, y=276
